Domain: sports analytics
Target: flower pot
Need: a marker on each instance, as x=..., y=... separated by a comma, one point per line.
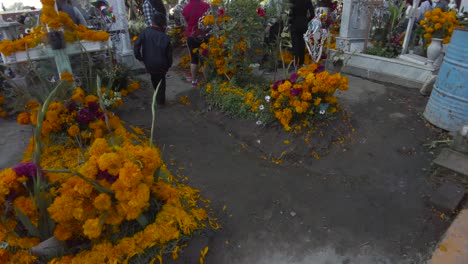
x=56, y=40
x=434, y=50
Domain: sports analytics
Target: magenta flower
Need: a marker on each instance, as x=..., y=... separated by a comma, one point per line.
x=104, y=175
x=70, y=105
x=296, y=92
x=221, y=12
x=276, y=83
x=85, y=115
x=28, y=169
x=293, y=78
x=320, y=68
x=261, y=12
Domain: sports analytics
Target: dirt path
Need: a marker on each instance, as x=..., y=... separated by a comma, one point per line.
x=364, y=202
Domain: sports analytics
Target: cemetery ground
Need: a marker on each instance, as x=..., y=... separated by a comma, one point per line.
x=364, y=200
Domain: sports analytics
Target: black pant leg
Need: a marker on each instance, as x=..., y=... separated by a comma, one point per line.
x=155, y=79
x=298, y=45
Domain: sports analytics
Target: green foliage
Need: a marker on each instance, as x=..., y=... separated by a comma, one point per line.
x=243, y=30
x=387, y=51
x=388, y=30
x=232, y=100
x=135, y=26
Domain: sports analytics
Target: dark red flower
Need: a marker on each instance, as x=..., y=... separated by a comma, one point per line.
x=28, y=169
x=293, y=78
x=104, y=175
x=221, y=12
x=261, y=12
x=276, y=83
x=296, y=92
x=320, y=68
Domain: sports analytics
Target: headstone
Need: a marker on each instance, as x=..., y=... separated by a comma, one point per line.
x=453, y=160
x=353, y=29
x=447, y=197
x=120, y=35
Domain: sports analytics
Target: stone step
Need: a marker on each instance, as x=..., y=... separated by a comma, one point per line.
x=453, y=249
x=453, y=160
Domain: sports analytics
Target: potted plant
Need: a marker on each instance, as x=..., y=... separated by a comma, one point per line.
x=438, y=28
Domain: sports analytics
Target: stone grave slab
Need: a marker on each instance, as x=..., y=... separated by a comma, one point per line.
x=453, y=160
x=448, y=196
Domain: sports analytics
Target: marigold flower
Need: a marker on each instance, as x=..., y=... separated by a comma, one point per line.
x=24, y=118
x=102, y=202
x=91, y=99
x=79, y=95
x=62, y=233
x=66, y=76
x=73, y=130
x=92, y=228
x=110, y=162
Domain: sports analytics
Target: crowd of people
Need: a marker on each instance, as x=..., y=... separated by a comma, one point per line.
x=301, y=12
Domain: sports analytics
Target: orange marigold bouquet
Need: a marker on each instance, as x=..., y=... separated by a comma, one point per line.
x=96, y=188
x=54, y=21
x=305, y=95
x=439, y=24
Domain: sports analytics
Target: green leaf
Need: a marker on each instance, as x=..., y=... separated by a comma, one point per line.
x=32, y=229
x=142, y=220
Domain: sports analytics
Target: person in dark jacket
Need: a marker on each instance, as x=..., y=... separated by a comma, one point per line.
x=153, y=47
x=299, y=16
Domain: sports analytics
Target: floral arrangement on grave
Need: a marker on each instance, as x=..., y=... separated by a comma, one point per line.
x=439, y=24
x=234, y=43
x=89, y=190
x=296, y=102
x=51, y=21
x=305, y=96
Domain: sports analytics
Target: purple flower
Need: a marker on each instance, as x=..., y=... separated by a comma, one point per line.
x=11, y=196
x=104, y=175
x=296, y=92
x=293, y=78
x=28, y=169
x=276, y=83
x=324, y=56
x=70, y=105
x=93, y=106
x=320, y=68
x=205, y=53
x=85, y=116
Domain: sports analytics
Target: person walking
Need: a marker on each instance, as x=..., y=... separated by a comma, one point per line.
x=150, y=7
x=154, y=48
x=192, y=13
x=299, y=16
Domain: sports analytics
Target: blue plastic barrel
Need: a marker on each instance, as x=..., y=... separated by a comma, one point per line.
x=447, y=107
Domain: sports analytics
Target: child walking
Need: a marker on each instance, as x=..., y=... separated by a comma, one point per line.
x=153, y=47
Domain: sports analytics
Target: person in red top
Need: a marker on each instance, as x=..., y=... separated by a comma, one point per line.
x=192, y=13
